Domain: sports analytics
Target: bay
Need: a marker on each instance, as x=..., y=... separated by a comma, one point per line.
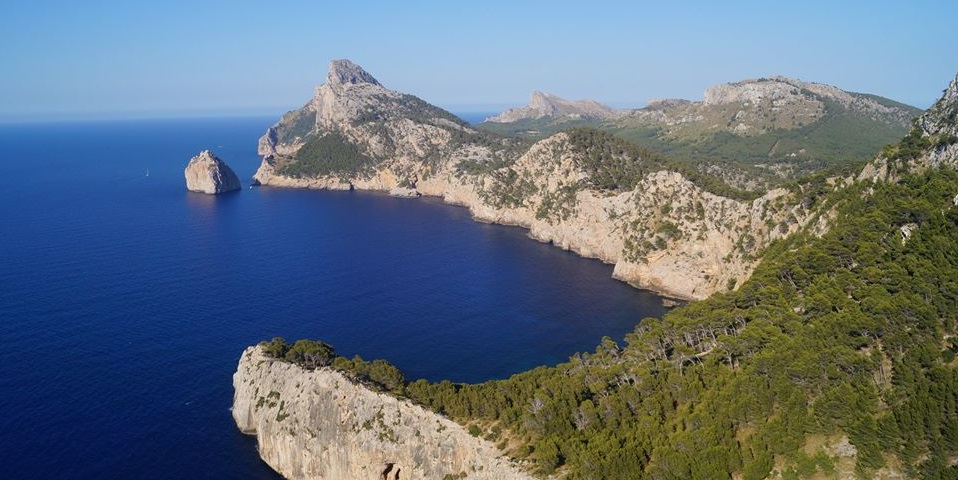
x=125, y=301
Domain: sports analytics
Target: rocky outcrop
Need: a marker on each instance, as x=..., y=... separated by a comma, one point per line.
x=932, y=143
x=759, y=106
x=667, y=233
x=317, y=424
x=208, y=174
x=548, y=105
x=942, y=117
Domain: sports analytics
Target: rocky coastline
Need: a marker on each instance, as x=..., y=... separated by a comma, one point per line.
x=318, y=424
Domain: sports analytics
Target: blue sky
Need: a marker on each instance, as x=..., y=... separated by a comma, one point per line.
x=68, y=59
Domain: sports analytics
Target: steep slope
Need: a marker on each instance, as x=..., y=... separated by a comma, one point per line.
x=665, y=227
x=208, y=174
x=836, y=359
x=318, y=424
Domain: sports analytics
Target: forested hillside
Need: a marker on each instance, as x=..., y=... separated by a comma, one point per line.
x=835, y=359
x=847, y=335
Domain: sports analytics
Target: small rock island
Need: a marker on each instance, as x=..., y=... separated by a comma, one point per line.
x=208, y=174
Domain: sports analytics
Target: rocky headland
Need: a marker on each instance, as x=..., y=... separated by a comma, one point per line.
x=208, y=174
x=663, y=229
x=318, y=424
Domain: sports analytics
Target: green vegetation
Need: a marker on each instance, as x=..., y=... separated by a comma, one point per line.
x=916, y=143
x=305, y=353
x=616, y=164
x=420, y=111
x=378, y=374
x=295, y=124
x=511, y=190
x=537, y=128
x=558, y=205
x=846, y=334
x=839, y=137
x=325, y=154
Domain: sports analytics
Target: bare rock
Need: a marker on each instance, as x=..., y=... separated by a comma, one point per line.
x=342, y=72
x=317, y=424
x=404, y=192
x=548, y=105
x=208, y=174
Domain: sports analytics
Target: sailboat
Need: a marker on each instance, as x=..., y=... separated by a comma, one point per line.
x=147, y=172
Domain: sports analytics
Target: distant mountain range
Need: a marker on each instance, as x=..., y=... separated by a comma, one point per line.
x=545, y=105
x=752, y=133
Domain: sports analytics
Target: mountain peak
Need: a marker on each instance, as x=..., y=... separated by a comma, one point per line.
x=942, y=117
x=345, y=72
x=543, y=104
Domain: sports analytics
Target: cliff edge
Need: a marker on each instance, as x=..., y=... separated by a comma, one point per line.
x=317, y=424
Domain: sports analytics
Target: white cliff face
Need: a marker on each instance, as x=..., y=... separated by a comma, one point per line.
x=208, y=174
x=319, y=425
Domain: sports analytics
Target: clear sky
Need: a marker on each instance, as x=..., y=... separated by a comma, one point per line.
x=71, y=59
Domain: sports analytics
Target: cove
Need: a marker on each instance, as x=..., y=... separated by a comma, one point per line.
x=127, y=300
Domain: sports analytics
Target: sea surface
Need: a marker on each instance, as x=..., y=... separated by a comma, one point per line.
x=125, y=301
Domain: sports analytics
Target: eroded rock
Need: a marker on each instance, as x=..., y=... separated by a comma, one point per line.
x=208, y=174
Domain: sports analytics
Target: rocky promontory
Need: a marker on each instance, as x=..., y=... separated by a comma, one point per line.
x=318, y=424
x=208, y=174
x=590, y=193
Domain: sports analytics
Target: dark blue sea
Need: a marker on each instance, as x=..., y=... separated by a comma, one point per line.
x=125, y=301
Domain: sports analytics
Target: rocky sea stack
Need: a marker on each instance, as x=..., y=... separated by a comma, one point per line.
x=208, y=174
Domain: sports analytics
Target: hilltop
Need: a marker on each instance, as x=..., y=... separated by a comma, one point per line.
x=753, y=133
x=548, y=105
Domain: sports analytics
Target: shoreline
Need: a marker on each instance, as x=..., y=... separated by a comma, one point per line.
x=668, y=299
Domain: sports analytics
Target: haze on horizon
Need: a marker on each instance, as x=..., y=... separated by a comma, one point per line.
x=113, y=59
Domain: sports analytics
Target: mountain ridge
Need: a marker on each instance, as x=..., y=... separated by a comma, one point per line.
x=549, y=105
x=754, y=133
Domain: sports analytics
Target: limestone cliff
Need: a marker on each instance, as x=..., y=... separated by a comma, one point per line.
x=208, y=174
x=548, y=105
x=932, y=143
x=662, y=230
x=317, y=424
